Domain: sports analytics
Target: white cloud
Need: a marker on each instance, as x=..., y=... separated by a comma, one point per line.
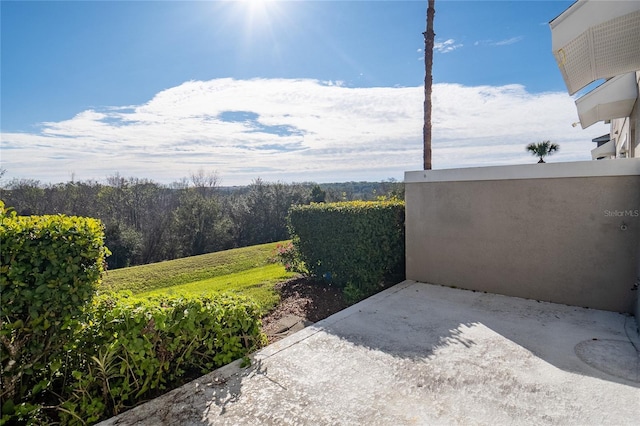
x=297, y=130
x=504, y=42
x=446, y=46
x=509, y=41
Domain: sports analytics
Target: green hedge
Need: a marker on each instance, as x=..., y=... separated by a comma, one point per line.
x=353, y=245
x=71, y=358
x=129, y=349
x=50, y=267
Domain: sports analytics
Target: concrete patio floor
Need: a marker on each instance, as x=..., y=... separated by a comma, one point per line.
x=425, y=354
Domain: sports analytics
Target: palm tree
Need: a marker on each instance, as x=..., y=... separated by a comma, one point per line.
x=542, y=149
x=429, y=37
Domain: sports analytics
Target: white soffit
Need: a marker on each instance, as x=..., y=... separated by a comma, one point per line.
x=595, y=39
x=605, y=150
x=613, y=99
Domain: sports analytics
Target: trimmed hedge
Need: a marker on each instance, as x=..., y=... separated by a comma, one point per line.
x=50, y=267
x=129, y=349
x=353, y=245
x=71, y=358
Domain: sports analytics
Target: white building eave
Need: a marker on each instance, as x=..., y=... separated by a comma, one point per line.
x=592, y=40
x=613, y=99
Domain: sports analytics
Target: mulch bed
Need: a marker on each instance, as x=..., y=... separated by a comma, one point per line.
x=310, y=300
x=305, y=298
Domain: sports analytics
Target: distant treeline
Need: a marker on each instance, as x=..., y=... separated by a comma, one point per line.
x=149, y=222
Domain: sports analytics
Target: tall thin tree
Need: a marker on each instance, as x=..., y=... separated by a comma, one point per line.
x=429, y=37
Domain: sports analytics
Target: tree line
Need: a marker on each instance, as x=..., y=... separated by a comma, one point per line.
x=147, y=222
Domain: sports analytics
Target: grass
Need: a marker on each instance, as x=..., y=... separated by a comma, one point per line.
x=256, y=283
x=246, y=271
x=144, y=278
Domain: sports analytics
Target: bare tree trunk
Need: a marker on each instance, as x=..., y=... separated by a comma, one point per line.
x=429, y=37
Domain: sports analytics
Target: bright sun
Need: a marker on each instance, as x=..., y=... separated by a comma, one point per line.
x=256, y=6
x=260, y=17
x=259, y=11
x=257, y=3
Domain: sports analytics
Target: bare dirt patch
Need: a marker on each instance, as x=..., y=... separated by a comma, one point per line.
x=304, y=298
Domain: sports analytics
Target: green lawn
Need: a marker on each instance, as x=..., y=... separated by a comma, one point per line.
x=246, y=271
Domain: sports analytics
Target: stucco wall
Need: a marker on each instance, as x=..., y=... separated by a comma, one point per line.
x=564, y=232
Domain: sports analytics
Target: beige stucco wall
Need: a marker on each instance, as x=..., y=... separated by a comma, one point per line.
x=564, y=232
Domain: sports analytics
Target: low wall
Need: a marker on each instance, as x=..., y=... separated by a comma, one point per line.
x=559, y=232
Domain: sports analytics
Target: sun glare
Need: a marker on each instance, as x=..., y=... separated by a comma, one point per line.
x=257, y=5
x=256, y=9
x=260, y=14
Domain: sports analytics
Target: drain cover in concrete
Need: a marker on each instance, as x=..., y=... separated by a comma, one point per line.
x=615, y=357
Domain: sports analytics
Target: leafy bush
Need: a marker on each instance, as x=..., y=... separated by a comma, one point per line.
x=287, y=254
x=71, y=358
x=129, y=348
x=49, y=269
x=353, y=245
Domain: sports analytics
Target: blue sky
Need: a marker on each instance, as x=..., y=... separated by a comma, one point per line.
x=284, y=90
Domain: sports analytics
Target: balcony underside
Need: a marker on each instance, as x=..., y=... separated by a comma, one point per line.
x=595, y=40
x=613, y=99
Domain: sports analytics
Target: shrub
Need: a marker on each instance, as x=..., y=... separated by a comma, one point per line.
x=129, y=349
x=50, y=267
x=353, y=245
x=287, y=254
x=70, y=357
